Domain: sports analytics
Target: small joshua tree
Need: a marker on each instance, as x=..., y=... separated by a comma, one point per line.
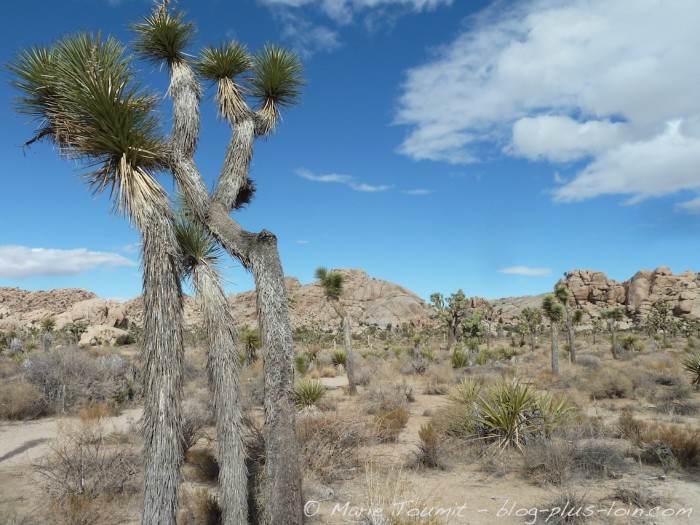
x=554, y=311
x=452, y=311
x=533, y=320
x=613, y=318
x=332, y=283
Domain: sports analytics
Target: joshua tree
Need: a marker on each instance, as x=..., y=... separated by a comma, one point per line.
x=452, y=311
x=597, y=326
x=332, y=284
x=83, y=93
x=563, y=295
x=533, y=320
x=201, y=256
x=250, y=339
x=661, y=319
x=47, y=325
x=613, y=317
x=554, y=311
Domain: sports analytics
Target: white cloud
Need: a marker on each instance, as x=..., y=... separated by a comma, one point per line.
x=308, y=38
x=347, y=180
x=691, y=206
x=342, y=11
x=590, y=80
x=302, y=241
x=526, y=270
x=417, y=191
x=662, y=165
x=19, y=262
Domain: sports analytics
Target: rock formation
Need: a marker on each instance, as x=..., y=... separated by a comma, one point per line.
x=594, y=291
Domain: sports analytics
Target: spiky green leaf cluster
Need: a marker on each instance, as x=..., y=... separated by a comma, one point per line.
x=225, y=61
x=163, y=37
x=332, y=283
x=277, y=77
x=197, y=245
x=83, y=92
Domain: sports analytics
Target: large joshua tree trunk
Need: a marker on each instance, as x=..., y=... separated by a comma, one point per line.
x=258, y=253
x=223, y=368
x=162, y=353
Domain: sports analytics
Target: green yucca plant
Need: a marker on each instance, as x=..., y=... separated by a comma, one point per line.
x=505, y=412
x=465, y=393
x=339, y=358
x=301, y=364
x=692, y=364
x=308, y=392
x=459, y=358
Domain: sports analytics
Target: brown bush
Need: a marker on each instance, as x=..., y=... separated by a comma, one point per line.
x=609, y=383
x=663, y=443
x=330, y=446
x=82, y=463
x=20, y=400
x=205, y=467
x=199, y=508
x=389, y=424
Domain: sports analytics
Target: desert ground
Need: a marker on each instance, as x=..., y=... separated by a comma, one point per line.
x=624, y=446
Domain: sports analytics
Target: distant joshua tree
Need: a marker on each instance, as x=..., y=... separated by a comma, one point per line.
x=572, y=317
x=533, y=320
x=452, y=311
x=332, y=284
x=613, y=317
x=554, y=311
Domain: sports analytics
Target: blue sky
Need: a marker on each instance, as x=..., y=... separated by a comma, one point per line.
x=440, y=144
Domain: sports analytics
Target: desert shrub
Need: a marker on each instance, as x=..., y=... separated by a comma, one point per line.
x=70, y=378
x=79, y=509
x=389, y=423
x=548, y=461
x=252, y=385
x=636, y=496
x=459, y=358
x=429, y=450
x=81, y=464
x=199, y=507
x=384, y=398
x=328, y=371
x=609, y=383
x=205, y=467
x=691, y=363
x=588, y=361
x=330, y=446
x=308, y=392
x=20, y=400
x=483, y=357
x=631, y=343
x=196, y=416
x=338, y=358
x=598, y=459
x=508, y=413
x=438, y=380
x=663, y=443
x=566, y=508
x=301, y=364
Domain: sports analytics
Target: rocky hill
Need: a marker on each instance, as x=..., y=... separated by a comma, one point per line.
x=594, y=291
x=370, y=302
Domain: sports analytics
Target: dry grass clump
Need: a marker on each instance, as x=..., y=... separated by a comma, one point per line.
x=637, y=496
x=196, y=416
x=389, y=499
x=439, y=379
x=609, y=383
x=20, y=400
x=567, y=507
x=662, y=443
x=330, y=446
x=430, y=450
x=389, y=406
